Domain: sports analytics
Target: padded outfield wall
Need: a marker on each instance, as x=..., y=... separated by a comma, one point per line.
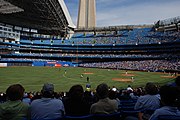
x=38, y=63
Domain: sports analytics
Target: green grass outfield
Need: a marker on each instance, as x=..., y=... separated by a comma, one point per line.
x=32, y=78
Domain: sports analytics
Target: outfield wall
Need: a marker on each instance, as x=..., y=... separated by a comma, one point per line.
x=3, y=64
x=54, y=63
x=38, y=63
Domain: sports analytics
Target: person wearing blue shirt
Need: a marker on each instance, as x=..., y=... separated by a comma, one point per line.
x=47, y=107
x=150, y=101
x=169, y=99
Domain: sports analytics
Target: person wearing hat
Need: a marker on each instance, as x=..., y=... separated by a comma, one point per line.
x=47, y=107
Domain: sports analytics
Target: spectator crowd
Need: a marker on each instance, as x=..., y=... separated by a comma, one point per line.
x=145, y=65
x=47, y=104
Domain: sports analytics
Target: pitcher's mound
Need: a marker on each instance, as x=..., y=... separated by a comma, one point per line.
x=122, y=79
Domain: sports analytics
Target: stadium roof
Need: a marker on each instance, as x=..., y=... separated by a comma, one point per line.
x=112, y=28
x=47, y=16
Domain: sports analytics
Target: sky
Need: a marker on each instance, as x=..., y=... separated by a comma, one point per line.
x=128, y=12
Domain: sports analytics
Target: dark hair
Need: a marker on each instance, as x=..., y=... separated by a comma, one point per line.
x=47, y=94
x=76, y=92
x=112, y=94
x=151, y=88
x=102, y=91
x=15, y=92
x=169, y=95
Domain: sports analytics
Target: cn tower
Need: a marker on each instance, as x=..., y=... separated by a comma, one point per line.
x=87, y=14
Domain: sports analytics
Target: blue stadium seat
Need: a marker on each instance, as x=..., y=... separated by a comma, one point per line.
x=133, y=113
x=126, y=108
x=149, y=111
x=86, y=117
x=113, y=116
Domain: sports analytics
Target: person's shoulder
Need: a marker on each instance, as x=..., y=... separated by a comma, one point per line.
x=36, y=101
x=112, y=100
x=160, y=111
x=158, y=96
x=25, y=104
x=95, y=104
x=56, y=101
x=165, y=109
x=3, y=105
x=143, y=97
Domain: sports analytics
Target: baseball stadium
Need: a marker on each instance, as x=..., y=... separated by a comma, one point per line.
x=39, y=43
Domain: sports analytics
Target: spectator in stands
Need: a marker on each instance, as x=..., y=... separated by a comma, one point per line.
x=129, y=88
x=89, y=98
x=47, y=107
x=150, y=101
x=137, y=93
x=14, y=108
x=74, y=103
x=26, y=98
x=104, y=105
x=169, y=100
x=2, y=97
x=34, y=96
x=125, y=95
x=113, y=95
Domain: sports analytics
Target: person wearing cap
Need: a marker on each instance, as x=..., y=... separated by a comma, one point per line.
x=47, y=107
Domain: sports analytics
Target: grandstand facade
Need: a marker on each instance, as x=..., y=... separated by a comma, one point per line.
x=135, y=47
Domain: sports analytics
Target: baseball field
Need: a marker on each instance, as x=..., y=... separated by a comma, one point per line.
x=32, y=78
